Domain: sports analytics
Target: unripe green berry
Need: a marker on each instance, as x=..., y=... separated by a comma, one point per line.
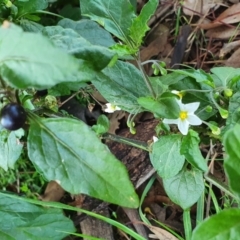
x=228, y=92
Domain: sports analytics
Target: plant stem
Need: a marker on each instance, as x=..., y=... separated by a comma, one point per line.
x=200, y=209
x=145, y=77
x=187, y=224
x=210, y=178
x=131, y=142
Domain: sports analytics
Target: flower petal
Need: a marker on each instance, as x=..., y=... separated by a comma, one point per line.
x=170, y=121
x=194, y=120
x=191, y=107
x=183, y=127
x=155, y=139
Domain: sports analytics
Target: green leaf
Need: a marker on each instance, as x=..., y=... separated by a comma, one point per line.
x=233, y=111
x=123, y=51
x=68, y=151
x=96, y=57
x=158, y=86
x=89, y=30
x=68, y=11
x=171, y=78
x=224, y=75
x=165, y=107
x=231, y=162
x=23, y=64
x=115, y=16
x=102, y=126
x=185, y=188
x=199, y=75
x=30, y=26
x=190, y=149
x=10, y=149
x=121, y=85
x=139, y=25
x=30, y=6
x=166, y=157
x=221, y=226
x=22, y=220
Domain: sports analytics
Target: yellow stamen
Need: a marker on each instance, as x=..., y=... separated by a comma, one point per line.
x=183, y=115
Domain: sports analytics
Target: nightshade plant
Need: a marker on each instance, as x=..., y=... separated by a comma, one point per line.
x=72, y=54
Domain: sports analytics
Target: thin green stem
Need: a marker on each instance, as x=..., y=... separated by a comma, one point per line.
x=196, y=90
x=210, y=178
x=145, y=77
x=49, y=13
x=213, y=100
x=214, y=199
x=187, y=224
x=200, y=209
x=144, y=194
x=130, y=142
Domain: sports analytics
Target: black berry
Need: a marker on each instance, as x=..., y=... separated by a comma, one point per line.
x=13, y=116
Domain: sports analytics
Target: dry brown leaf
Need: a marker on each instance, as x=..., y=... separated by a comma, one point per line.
x=234, y=60
x=160, y=233
x=156, y=41
x=228, y=47
x=114, y=121
x=98, y=97
x=53, y=192
x=222, y=32
x=193, y=7
x=230, y=15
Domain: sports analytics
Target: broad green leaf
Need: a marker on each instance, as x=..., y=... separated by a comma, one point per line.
x=158, y=86
x=70, y=12
x=10, y=149
x=190, y=149
x=185, y=188
x=234, y=111
x=102, y=126
x=30, y=6
x=199, y=75
x=30, y=26
x=232, y=161
x=222, y=226
x=68, y=151
x=139, y=25
x=30, y=60
x=224, y=75
x=162, y=108
x=96, y=57
x=21, y=220
x=89, y=30
x=171, y=78
x=165, y=156
x=115, y=16
x=121, y=85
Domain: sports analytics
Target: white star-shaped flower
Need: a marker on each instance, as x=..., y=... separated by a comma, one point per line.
x=110, y=108
x=186, y=117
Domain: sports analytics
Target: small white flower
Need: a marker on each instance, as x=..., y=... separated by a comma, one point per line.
x=155, y=139
x=186, y=117
x=177, y=93
x=110, y=108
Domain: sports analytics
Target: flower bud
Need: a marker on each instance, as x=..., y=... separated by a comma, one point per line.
x=208, y=108
x=223, y=112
